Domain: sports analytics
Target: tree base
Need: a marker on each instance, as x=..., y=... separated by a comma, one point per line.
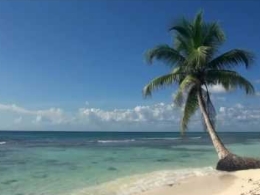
x=234, y=163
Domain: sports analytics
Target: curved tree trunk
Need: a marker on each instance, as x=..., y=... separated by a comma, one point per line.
x=228, y=161
x=222, y=151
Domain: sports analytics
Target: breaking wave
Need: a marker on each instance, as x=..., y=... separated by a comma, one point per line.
x=116, y=141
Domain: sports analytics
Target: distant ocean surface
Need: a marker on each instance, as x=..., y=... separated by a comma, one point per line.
x=105, y=163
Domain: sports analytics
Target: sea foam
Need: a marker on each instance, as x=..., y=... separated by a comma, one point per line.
x=139, y=183
x=116, y=141
x=161, y=138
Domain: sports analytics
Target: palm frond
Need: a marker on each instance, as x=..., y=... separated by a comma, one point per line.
x=179, y=98
x=180, y=70
x=231, y=59
x=198, y=20
x=182, y=28
x=161, y=81
x=229, y=80
x=213, y=35
x=190, y=108
x=187, y=83
x=198, y=57
x=197, y=30
x=176, y=70
x=165, y=53
x=183, y=45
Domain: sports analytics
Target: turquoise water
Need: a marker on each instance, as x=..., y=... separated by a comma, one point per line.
x=64, y=163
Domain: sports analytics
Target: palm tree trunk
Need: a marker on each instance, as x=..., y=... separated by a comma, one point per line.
x=222, y=151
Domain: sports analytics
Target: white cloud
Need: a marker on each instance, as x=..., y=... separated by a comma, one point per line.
x=157, y=112
x=38, y=119
x=240, y=113
x=14, y=108
x=216, y=89
x=18, y=120
x=54, y=115
x=222, y=109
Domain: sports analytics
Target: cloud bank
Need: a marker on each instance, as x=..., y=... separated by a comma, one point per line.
x=157, y=117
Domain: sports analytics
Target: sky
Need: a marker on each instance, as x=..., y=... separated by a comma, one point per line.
x=79, y=65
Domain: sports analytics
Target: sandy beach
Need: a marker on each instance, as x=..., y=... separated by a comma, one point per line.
x=235, y=183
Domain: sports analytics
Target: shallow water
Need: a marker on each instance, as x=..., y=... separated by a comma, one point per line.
x=55, y=163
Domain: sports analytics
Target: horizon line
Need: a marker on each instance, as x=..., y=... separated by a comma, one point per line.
x=69, y=131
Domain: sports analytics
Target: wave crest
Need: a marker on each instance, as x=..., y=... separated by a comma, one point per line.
x=116, y=141
x=161, y=138
x=195, y=137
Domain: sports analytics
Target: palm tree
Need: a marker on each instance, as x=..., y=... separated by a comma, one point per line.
x=195, y=64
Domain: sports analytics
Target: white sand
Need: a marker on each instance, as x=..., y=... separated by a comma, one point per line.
x=235, y=183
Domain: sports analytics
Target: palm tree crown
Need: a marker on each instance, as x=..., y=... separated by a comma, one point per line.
x=195, y=65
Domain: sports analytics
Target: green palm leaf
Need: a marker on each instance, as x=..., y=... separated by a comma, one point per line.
x=197, y=30
x=213, y=35
x=183, y=36
x=183, y=27
x=165, y=53
x=183, y=45
x=198, y=57
x=182, y=30
x=231, y=59
x=161, y=81
x=190, y=108
x=229, y=79
x=188, y=82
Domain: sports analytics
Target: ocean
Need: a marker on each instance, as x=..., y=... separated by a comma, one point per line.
x=108, y=163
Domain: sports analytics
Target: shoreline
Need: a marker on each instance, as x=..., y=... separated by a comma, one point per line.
x=145, y=182
x=245, y=182
x=189, y=182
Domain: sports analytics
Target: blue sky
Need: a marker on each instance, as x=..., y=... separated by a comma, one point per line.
x=60, y=59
